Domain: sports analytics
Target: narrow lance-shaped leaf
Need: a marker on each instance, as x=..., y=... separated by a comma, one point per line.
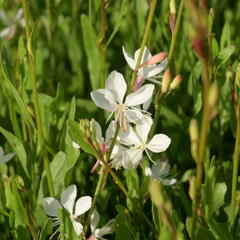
x=8, y=74
x=18, y=148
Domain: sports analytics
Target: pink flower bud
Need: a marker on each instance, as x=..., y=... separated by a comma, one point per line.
x=153, y=60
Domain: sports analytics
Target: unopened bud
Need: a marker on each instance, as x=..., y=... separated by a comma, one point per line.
x=84, y=126
x=155, y=193
x=230, y=75
x=172, y=6
x=192, y=186
x=153, y=60
x=237, y=77
x=176, y=82
x=213, y=95
x=172, y=14
x=193, y=130
x=166, y=80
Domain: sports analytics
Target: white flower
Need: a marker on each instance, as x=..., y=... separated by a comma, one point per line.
x=112, y=99
x=147, y=71
x=83, y=204
x=5, y=158
x=75, y=145
x=159, y=171
x=11, y=29
x=138, y=140
x=98, y=233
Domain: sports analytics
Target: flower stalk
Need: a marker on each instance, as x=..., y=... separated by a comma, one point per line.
x=235, y=170
x=35, y=96
x=144, y=40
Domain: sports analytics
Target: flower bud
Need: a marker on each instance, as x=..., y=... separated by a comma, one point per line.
x=193, y=131
x=213, y=95
x=192, y=186
x=84, y=126
x=176, y=82
x=237, y=76
x=166, y=80
x=172, y=15
x=153, y=60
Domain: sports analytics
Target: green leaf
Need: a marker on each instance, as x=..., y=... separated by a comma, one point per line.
x=224, y=55
x=17, y=147
x=214, y=193
x=46, y=230
x=91, y=48
x=7, y=71
x=222, y=230
x=76, y=136
x=123, y=12
x=225, y=36
x=66, y=227
x=14, y=202
x=124, y=229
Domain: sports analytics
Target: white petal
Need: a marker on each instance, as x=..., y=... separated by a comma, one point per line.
x=6, y=158
x=129, y=59
x=147, y=104
x=117, y=85
x=104, y=99
x=141, y=96
x=106, y=229
x=110, y=131
x=97, y=131
x=146, y=55
x=133, y=115
x=169, y=181
x=51, y=205
x=95, y=217
x=154, y=70
x=135, y=156
x=129, y=137
x=68, y=198
x=144, y=128
x=160, y=169
x=75, y=145
x=159, y=143
x=19, y=14
x=148, y=171
x=78, y=227
x=83, y=204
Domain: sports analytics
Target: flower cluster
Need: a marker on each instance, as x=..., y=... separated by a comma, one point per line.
x=135, y=123
x=127, y=137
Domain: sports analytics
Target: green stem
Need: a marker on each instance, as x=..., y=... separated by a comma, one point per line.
x=102, y=49
x=175, y=33
x=144, y=40
x=96, y=193
x=114, y=176
x=35, y=96
x=235, y=170
x=170, y=59
x=202, y=147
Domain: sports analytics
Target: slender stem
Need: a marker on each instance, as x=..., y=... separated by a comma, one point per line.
x=102, y=49
x=175, y=33
x=157, y=113
x=170, y=58
x=116, y=179
x=202, y=147
x=35, y=97
x=144, y=40
x=96, y=193
x=235, y=170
